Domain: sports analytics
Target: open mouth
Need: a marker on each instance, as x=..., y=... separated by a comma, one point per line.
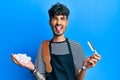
x=58, y=28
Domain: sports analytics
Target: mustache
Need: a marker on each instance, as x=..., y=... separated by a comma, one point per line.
x=58, y=25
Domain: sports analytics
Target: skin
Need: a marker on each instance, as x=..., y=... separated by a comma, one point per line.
x=61, y=22
x=58, y=25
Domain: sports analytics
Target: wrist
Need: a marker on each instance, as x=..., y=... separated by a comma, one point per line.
x=34, y=70
x=84, y=67
x=31, y=67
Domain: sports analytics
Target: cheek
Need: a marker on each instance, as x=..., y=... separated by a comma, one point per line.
x=53, y=23
x=65, y=24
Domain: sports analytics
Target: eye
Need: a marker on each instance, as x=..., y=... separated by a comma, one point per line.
x=54, y=18
x=63, y=18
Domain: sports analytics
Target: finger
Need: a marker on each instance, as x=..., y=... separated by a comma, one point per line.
x=92, y=63
x=96, y=57
x=94, y=60
x=13, y=58
x=17, y=61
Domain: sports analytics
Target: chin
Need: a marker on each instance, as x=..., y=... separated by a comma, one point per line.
x=58, y=34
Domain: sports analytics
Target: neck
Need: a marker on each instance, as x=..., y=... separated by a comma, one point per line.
x=58, y=38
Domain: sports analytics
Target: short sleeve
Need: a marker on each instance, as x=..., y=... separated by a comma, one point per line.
x=39, y=63
x=78, y=55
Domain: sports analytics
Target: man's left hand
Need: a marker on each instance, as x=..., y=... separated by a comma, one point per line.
x=92, y=60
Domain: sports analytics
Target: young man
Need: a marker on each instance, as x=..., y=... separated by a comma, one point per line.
x=67, y=57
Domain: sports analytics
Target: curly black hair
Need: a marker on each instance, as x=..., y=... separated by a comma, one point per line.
x=58, y=9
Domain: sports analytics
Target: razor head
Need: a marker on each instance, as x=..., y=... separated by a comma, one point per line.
x=91, y=46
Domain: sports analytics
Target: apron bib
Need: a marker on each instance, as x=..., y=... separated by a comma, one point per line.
x=62, y=66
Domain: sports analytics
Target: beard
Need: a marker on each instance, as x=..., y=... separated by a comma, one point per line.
x=58, y=34
x=58, y=30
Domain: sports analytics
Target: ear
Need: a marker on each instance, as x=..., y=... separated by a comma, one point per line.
x=67, y=22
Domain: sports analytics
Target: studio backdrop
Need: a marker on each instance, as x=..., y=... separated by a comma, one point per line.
x=24, y=24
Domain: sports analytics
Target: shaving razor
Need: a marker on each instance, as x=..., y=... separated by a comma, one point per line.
x=91, y=47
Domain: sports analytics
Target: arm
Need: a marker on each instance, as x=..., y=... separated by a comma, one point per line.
x=39, y=76
x=88, y=63
x=80, y=74
x=29, y=66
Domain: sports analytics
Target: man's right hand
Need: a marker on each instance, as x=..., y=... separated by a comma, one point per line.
x=28, y=65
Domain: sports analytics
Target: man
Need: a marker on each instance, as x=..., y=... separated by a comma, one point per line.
x=67, y=57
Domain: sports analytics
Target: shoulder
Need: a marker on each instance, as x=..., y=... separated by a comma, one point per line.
x=74, y=43
x=77, y=53
x=76, y=47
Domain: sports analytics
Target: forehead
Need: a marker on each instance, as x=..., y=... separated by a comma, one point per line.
x=59, y=16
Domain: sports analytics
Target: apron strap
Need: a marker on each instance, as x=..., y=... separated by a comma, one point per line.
x=46, y=55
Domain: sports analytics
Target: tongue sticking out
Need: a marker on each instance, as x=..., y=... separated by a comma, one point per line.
x=59, y=28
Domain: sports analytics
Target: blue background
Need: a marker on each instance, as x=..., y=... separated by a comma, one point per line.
x=24, y=25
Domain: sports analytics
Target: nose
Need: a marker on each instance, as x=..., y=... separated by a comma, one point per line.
x=58, y=21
